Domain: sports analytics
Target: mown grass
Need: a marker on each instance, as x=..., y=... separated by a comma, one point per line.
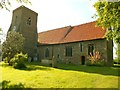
x=64, y=76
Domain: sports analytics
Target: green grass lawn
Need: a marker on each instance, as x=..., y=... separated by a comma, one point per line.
x=65, y=76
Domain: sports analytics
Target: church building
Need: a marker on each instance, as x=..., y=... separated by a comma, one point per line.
x=70, y=44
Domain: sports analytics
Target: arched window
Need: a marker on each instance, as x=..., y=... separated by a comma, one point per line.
x=90, y=49
x=47, y=52
x=81, y=49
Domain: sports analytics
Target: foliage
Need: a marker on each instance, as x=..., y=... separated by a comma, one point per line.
x=6, y=59
x=95, y=59
x=65, y=76
x=0, y=34
x=6, y=85
x=13, y=44
x=6, y=3
x=108, y=16
x=118, y=54
x=116, y=61
x=98, y=63
x=0, y=29
x=18, y=61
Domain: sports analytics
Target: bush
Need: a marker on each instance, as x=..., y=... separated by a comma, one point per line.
x=116, y=61
x=95, y=59
x=98, y=63
x=5, y=59
x=19, y=65
x=18, y=61
x=13, y=44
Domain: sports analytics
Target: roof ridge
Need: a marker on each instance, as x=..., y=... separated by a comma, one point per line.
x=54, y=29
x=73, y=34
x=84, y=23
x=67, y=32
x=22, y=6
x=66, y=27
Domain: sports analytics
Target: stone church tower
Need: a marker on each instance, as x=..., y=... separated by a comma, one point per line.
x=24, y=21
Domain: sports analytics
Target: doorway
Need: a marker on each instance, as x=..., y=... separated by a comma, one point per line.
x=83, y=60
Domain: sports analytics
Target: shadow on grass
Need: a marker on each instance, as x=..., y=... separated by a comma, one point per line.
x=29, y=66
x=7, y=85
x=35, y=66
x=32, y=67
x=114, y=71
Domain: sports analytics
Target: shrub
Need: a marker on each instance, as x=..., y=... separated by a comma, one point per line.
x=19, y=65
x=98, y=63
x=116, y=61
x=18, y=61
x=13, y=44
x=5, y=59
x=95, y=59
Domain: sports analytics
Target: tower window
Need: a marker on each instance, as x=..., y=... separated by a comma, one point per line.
x=29, y=21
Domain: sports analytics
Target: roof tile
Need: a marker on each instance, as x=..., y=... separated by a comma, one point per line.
x=87, y=31
x=53, y=36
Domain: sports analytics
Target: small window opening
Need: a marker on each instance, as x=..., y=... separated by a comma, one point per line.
x=29, y=21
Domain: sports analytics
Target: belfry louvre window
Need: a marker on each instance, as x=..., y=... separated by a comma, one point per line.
x=68, y=51
x=47, y=52
x=29, y=21
x=90, y=49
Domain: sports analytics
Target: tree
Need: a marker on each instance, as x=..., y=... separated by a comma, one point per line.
x=108, y=16
x=0, y=34
x=6, y=3
x=13, y=45
x=118, y=54
x=0, y=29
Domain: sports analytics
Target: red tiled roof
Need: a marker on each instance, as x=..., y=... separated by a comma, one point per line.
x=53, y=36
x=87, y=31
x=83, y=32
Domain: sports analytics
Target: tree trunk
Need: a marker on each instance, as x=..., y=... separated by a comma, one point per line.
x=118, y=52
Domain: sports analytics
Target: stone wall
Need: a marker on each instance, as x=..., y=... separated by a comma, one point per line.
x=29, y=31
x=58, y=51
